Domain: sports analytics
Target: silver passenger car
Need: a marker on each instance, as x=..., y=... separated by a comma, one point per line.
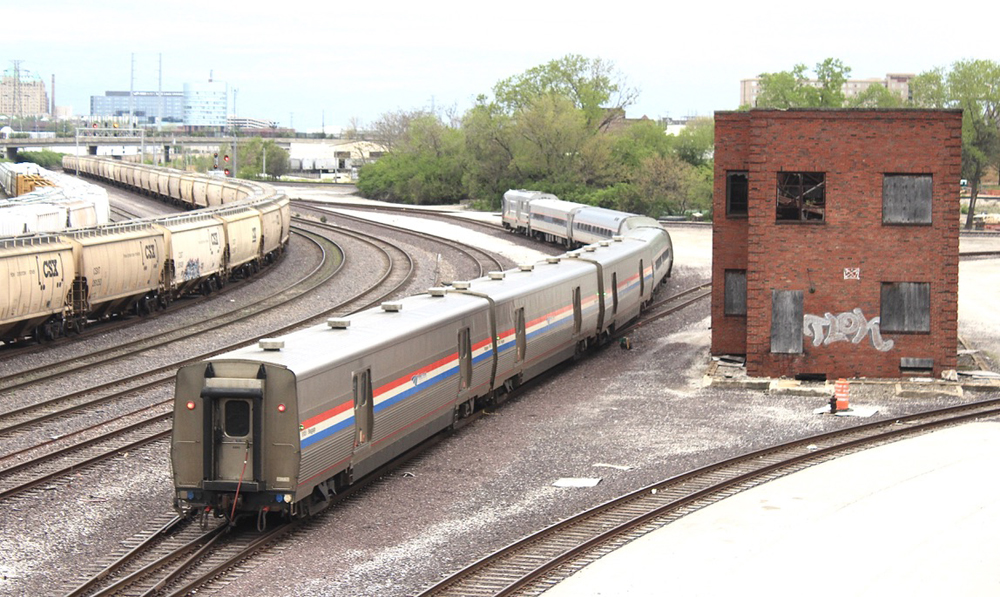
x=552, y=220
x=516, y=209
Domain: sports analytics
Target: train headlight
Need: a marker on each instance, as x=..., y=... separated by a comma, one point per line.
x=190, y=404
x=288, y=498
x=281, y=408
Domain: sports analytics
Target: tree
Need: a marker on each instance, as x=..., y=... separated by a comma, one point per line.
x=973, y=86
x=876, y=96
x=695, y=142
x=792, y=89
x=593, y=86
x=251, y=159
x=424, y=167
x=391, y=127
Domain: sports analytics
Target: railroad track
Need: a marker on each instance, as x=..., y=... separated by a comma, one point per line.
x=537, y=562
x=175, y=572
x=482, y=261
x=328, y=267
x=180, y=556
x=29, y=467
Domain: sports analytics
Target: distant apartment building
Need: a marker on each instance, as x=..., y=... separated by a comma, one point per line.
x=896, y=83
x=205, y=104
x=22, y=94
x=146, y=107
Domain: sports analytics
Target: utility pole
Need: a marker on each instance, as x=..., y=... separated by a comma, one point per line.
x=131, y=93
x=159, y=117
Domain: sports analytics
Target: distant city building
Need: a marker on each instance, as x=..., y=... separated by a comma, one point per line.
x=205, y=104
x=896, y=83
x=251, y=123
x=145, y=106
x=23, y=94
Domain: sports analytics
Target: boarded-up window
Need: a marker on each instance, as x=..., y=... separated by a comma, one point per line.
x=906, y=307
x=906, y=198
x=736, y=292
x=737, y=193
x=786, y=321
x=801, y=196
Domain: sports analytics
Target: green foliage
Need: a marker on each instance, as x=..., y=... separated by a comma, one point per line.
x=252, y=163
x=973, y=86
x=594, y=87
x=425, y=168
x=546, y=129
x=793, y=89
x=876, y=96
x=45, y=158
x=695, y=143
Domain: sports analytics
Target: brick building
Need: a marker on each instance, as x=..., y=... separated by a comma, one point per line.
x=835, y=241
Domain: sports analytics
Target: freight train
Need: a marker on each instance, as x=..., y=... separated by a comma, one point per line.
x=57, y=283
x=283, y=425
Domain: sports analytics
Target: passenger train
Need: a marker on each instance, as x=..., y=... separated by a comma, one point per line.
x=545, y=217
x=57, y=283
x=282, y=425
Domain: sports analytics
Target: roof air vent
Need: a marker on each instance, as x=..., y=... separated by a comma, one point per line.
x=271, y=344
x=605, y=243
x=552, y=260
x=392, y=307
x=617, y=238
x=463, y=285
x=590, y=248
x=338, y=323
x=573, y=255
x=497, y=275
x=437, y=291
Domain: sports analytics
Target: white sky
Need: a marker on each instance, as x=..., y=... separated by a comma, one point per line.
x=303, y=62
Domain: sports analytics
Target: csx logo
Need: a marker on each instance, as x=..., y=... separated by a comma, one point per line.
x=50, y=268
x=150, y=251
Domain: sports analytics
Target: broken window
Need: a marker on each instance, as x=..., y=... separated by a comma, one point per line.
x=735, y=292
x=906, y=198
x=801, y=196
x=786, y=321
x=737, y=193
x=906, y=307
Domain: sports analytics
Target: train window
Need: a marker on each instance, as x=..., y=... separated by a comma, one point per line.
x=906, y=307
x=801, y=197
x=236, y=418
x=614, y=293
x=737, y=193
x=577, y=311
x=464, y=359
x=522, y=345
x=906, y=198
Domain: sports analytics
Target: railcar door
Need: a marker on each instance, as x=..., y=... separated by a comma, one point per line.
x=363, y=410
x=234, y=430
x=233, y=421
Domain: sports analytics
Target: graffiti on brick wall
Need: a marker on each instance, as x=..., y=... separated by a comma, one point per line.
x=848, y=326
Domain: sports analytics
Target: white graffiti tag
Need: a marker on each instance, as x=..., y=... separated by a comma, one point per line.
x=839, y=328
